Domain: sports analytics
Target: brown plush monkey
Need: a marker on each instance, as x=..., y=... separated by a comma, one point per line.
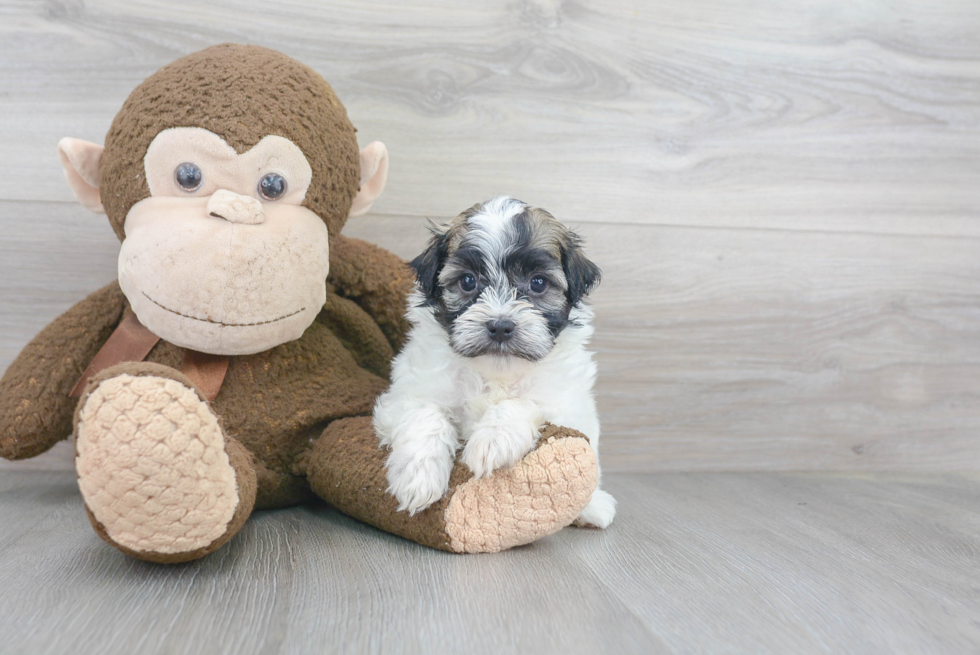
x=220, y=374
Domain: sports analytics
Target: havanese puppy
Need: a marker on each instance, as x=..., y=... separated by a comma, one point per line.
x=497, y=348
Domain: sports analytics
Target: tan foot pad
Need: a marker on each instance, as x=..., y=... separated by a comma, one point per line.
x=542, y=494
x=152, y=466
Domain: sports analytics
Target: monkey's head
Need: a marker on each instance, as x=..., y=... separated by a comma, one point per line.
x=224, y=175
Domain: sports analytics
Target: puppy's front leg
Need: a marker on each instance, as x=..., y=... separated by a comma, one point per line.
x=423, y=447
x=505, y=433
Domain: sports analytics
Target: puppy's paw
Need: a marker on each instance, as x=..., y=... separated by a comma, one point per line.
x=497, y=446
x=418, y=480
x=600, y=511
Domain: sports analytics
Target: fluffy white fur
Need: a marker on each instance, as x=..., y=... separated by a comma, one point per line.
x=491, y=405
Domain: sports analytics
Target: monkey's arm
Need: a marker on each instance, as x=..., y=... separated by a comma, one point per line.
x=376, y=280
x=35, y=408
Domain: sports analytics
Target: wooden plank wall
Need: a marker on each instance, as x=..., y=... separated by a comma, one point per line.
x=783, y=194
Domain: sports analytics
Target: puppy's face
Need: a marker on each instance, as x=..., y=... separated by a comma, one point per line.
x=502, y=278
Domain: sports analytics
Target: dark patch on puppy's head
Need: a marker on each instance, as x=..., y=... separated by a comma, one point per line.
x=428, y=264
x=504, y=261
x=582, y=275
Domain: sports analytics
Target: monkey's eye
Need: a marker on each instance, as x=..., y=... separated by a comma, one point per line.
x=467, y=283
x=272, y=186
x=188, y=176
x=538, y=284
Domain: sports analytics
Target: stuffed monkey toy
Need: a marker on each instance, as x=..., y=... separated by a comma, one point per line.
x=234, y=364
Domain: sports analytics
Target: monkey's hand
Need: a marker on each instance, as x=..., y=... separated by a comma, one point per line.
x=35, y=408
x=375, y=279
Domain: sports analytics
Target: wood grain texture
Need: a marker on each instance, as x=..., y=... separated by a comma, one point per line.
x=718, y=349
x=807, y=114
x=695, y=563
x=784, y=195
x=739, y=349
x=785, y=200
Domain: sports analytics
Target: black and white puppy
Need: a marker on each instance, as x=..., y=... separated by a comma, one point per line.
x=497, y=348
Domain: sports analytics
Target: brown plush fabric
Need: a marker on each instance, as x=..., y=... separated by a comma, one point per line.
x=345, y=467
x=359, y=334
x=35, y=408
x=376, y=280
x=216, y=89
x=274, y=401
x=245, y=477
x=538, y=496
x=549, y=430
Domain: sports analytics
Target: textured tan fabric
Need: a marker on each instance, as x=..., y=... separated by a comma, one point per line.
x=540, y=495
x=220, y=287
x=152, y=465
x=543, y=493
x=160, y=480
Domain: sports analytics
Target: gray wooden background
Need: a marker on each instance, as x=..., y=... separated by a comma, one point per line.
x=783, y=195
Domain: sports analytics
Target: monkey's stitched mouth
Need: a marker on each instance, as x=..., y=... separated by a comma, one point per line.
x=213, y=322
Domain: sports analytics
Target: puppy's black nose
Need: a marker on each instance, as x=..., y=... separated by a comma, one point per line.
x=501, y=330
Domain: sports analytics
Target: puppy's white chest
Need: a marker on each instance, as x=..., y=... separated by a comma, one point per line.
x=494, y=391
x=480, y=392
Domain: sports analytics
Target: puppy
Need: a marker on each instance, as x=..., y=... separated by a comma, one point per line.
x=497, y=348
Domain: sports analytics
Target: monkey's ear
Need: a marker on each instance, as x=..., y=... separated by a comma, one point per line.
x=374, y=175
x=81, y=160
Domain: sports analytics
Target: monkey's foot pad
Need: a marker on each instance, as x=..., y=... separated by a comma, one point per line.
x=152, y=466
x=540, y=495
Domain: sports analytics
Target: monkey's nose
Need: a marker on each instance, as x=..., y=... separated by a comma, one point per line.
x=501, y=330
x=235, y=208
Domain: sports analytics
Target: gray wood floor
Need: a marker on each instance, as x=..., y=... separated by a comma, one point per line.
x=785, y=199
x=695, y=563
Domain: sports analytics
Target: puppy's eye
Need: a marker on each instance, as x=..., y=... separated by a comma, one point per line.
x=272, y=186
x=538, y=284
x=188, y=176
x=467, y=283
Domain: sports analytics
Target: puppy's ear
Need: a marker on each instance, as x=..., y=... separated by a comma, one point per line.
x=428, y=265
x=581, y=274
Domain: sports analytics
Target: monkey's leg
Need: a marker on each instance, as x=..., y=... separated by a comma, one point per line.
x=541, y=494
x=160, y=479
